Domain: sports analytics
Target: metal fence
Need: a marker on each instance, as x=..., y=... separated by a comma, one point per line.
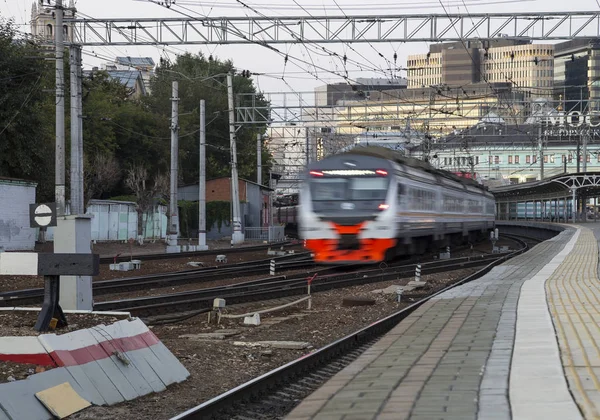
x=266, y=233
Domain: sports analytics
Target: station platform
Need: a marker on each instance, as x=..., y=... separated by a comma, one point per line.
x=522, y=342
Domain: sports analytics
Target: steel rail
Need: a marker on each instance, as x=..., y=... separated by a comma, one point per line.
x=124, y=257
x=273, y=288
x=213, y=273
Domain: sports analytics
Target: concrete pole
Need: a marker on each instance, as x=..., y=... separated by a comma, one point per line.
x=173, y=211
x=259, y=159
x=578, y=154
x=584, y=151
x=271, y=208
x=541, y=145
x=60, y=111
x=574, y=205
x=307, y=147
x=74, y=130
x=80, y=125
x=202, y=182
x=237, y=237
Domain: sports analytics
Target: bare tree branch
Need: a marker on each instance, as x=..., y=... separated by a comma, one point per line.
x=137, y=181
x=101, y=175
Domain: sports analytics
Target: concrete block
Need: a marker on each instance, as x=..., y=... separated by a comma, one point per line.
x=137, y=264
x=252, y=320
x=125, y=266
x=390, y=290
x=173, y=249
x=196, y=264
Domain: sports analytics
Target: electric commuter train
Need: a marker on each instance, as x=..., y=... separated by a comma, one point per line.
x=371, y=204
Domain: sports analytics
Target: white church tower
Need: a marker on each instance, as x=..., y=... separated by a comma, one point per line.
x=43, y=20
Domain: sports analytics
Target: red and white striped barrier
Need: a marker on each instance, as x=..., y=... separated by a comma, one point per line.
x=106, y=364
x=24, y=350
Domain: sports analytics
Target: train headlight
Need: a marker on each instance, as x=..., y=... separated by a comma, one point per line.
x=383, y=206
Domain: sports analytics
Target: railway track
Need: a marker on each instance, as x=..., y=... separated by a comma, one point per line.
x=282, y=286
x=167, y=256
x=276, y=393
x=205, y=274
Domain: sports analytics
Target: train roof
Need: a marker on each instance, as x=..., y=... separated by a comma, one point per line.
x=389, y=154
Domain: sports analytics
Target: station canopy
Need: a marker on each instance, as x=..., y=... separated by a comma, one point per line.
x=557, y=187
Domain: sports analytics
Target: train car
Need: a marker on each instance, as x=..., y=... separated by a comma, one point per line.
x=285, y=213
x=372, y=204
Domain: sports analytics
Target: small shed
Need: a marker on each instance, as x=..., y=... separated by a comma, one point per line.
x=254, y=200
x=15, y=197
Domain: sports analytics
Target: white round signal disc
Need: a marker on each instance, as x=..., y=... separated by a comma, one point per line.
x=43, y=215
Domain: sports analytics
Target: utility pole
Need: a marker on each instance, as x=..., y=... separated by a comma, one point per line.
x=259, y=159
x=307, y=139
x=76, y=198
x=60, y=111
x=202, y=183
x=80, y=126
x=173, y=217
x=541, y=145
x=578, y=153
x=237, y=237
x=584, y=151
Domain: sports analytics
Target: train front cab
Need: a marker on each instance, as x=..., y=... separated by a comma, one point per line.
x=348, y=212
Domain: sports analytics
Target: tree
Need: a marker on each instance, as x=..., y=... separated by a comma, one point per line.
x=117, y=127
x=26, y=112
x=199, y=78
x=145, y=191
x=100, y=176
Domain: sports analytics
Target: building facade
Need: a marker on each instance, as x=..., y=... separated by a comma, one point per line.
x=577, y=71
x=43, y=21
x=529, y=67
x=541, y=147
x=339, y=93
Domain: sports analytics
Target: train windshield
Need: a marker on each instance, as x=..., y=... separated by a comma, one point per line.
x=349, y=189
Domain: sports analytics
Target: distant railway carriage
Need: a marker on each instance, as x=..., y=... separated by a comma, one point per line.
x=285, y=212
x=371, y=204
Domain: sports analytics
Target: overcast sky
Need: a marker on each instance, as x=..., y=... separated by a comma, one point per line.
x=296, y=77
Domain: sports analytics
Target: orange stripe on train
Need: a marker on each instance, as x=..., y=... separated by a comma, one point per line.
x=370, y=250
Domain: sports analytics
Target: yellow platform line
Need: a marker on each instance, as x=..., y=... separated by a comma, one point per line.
x=573, y=294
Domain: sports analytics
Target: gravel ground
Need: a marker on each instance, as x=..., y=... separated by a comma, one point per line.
x=217, y=365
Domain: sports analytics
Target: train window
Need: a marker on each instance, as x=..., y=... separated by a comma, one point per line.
x=452, y=204
x=401, y=190
x=422, y=200
x=329, y=189
x=368, y=188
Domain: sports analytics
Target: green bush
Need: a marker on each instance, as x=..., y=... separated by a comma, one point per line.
x=217, y=212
